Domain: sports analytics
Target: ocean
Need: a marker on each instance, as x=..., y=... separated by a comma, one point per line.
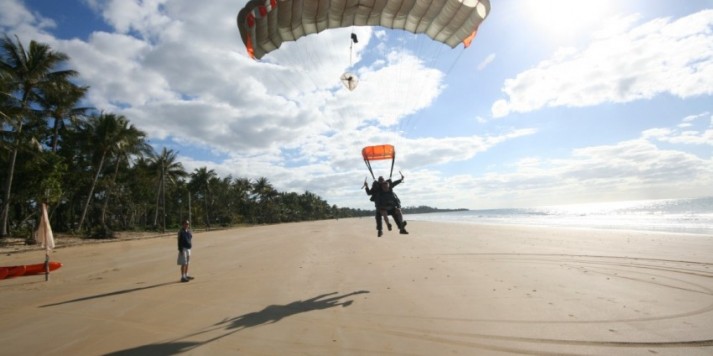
x=694, y=216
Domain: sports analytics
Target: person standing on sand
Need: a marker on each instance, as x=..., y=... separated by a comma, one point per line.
x=184, y=250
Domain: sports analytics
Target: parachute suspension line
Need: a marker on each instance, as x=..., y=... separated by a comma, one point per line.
x=436, y=56
x=368, y=165
x=404, y=92
x=351, y=45
x=453, y=64
x=420, y=48
x=349, y=80
x=296, y=70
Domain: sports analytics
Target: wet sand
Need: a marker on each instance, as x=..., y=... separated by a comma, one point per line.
x=333, y=287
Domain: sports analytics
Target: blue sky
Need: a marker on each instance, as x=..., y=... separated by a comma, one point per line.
x=556, y=101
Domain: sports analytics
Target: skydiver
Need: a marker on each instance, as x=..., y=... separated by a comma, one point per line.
x=387, y=202
x=390, y=203
x=374, y=192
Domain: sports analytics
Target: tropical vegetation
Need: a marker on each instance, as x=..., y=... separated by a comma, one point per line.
x=97, y=171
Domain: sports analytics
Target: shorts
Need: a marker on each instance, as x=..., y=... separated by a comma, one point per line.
x=184, y=256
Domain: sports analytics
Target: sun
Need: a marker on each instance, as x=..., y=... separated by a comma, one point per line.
x=562, y=19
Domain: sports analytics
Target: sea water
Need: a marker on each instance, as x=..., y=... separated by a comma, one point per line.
x=693, y=216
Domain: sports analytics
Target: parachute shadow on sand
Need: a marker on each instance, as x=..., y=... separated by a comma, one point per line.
x=269, y=315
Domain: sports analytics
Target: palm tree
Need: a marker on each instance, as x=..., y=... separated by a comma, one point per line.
x=104, y=133
x=59, y=101
x=169, y=170
x=241, y=192
x=309, y=202
x=129, y=142
x=6, y=97
x=222, y=208
x=27, y=70
x=263, y=189
x=290, y=209
x=265, y=193
x=200, y=183
x=8, y=109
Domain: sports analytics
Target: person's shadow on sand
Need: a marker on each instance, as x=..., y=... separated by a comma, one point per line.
x=274, y=313
x=269, y=315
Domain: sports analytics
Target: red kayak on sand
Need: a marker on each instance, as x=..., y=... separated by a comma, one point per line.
x=14, y=271
x=26, y=270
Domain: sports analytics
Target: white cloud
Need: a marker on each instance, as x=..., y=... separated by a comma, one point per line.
x=178, y=70
x=658, y=57
x=636, y=168
x=13, y=15
x=684, y=133
x=17, y=20
x=147, y=18
x=692, y=118
x=656, y=133
x=489, y=59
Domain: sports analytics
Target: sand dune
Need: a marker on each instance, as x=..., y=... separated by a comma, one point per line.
x=333, y=287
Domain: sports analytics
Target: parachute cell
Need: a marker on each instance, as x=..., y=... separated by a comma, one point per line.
x=265, y=24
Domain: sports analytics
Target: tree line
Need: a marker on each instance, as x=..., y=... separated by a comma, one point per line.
x=97, y=172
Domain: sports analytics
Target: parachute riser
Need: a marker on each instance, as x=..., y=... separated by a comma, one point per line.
x=391, y=172
x=368, y=165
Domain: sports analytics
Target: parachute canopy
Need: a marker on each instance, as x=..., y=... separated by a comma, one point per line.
x=349, y=80
x=265, y=24
x=373, y=153
x=378, y=152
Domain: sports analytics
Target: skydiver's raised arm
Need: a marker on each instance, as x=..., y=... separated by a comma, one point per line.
x=366, y=188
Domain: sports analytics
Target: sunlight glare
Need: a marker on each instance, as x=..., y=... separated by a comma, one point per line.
x=563, y=19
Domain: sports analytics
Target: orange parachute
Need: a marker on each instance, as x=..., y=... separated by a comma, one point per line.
x=378, y=152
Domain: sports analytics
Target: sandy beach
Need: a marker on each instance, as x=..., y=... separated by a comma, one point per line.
x=333, y=287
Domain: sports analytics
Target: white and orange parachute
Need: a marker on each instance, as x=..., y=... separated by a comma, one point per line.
x=265, y=24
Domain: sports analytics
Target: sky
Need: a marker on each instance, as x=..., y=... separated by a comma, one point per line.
x=555, y=102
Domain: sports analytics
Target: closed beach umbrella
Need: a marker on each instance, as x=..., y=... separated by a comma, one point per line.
x=45, y=237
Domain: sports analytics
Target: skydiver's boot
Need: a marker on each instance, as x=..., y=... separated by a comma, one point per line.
x=378, y=234
x=403, y=229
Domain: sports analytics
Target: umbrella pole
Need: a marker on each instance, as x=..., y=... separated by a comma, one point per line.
x=47, y=267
